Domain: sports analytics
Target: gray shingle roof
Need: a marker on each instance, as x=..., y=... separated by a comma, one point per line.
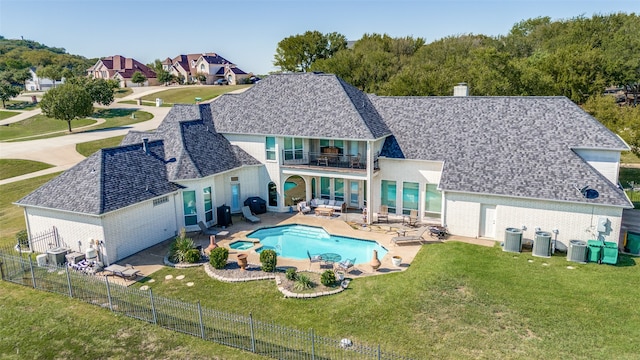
x=303, y=105
x=513, y=146
x=108, y=180
x=190, y=137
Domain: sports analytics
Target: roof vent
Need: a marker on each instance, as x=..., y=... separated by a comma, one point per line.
x=461, y=90
x=145, y=145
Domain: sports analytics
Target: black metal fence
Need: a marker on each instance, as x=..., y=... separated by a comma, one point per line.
x=242, y=332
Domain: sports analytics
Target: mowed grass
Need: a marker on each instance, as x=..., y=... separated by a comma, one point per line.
x=187, y=95
x=628, y=157
x=41, y=127
x=7, y=114
x=16, y=167
x=122, y=92
x=39, y=124
x=455, y=301
x=41, y=325
x=88, y=148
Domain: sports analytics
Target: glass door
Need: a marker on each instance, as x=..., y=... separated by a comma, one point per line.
x=354, y=197
x=235, y=198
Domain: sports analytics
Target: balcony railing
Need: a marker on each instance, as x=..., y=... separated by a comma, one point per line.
x=326, y=160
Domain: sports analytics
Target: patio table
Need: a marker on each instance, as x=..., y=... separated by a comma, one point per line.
x=330, y=258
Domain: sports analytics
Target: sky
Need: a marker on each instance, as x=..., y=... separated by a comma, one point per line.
x=247, y=32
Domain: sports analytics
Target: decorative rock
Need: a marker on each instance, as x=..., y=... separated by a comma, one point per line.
x=570, y=267
x=189, y=283
x=168, y=277
x=179, y=277
x=152, y=280
x=144, y=287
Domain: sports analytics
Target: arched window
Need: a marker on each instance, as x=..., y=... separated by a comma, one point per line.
x=273, y=194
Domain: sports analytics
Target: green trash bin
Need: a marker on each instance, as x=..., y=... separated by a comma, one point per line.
x=633, y=243
x=595, y=250
x=610, y=253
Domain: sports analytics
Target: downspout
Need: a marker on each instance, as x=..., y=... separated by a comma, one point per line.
x=443, y=210
x=369, y=178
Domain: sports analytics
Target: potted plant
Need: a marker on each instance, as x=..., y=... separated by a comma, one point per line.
x=396, y=260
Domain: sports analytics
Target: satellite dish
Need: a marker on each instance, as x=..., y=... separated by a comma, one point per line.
x=590, y=194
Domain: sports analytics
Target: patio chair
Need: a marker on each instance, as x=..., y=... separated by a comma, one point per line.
x=383, y=214
x=346, y=265
x=313, y=258
x=204, y=230
x=410, y=238
x=303, y=207
x=413, y=218
x=354, y=161
x=248, y=216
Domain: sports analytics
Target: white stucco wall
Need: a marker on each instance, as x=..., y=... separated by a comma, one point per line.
x=572, y=220
x=399, y=170
x=607, y=162
x=74, y=230
x=134, y=228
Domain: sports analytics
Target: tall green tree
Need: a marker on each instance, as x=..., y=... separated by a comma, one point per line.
x=12, y=84
x=138, y=78
x=299, y=52
x=623, y=120
x=101, y=91
x=67, y=102
x=53, y=72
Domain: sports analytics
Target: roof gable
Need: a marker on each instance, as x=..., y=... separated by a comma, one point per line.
x=302, y=105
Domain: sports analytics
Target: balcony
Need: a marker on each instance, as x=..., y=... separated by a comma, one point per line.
x=326, y=161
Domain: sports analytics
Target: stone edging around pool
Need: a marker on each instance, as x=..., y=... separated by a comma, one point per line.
x=181, y=265
x=287, y=294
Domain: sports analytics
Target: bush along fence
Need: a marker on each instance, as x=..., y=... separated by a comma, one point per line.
x=242, y=332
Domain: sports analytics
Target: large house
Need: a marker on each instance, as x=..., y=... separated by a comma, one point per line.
x=36, y=83
x=478, y=165
x=211, y=65
x=122, y=69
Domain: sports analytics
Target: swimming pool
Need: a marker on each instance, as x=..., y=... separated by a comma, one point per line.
x=241, y=245
x=288, y=185
x=293, y=241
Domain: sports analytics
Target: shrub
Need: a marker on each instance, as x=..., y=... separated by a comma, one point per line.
x=291, y=274
x=180, y=247
x=218, y=257
x=22, y=238
x=328, y=278
x=192, y=256
x=269, y=259
x=303, y=282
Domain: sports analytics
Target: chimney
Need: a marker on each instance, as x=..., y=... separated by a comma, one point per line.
x=461, y=89
x=145, y=145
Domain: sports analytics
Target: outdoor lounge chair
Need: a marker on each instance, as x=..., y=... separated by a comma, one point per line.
x=204, y=230
x=411, y=238
x=346, y=265
x=246, y=212
x=383, y=214
x=354, y=161
x=313, y=258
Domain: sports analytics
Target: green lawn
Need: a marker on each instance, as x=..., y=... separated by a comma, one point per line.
x=7, y=114
x=122, y=92
x=455, y=301
x=187, y=95
x=88, y=148
x=15, y=167
x=628, y=157
x=39, y=124
x=21, y=105
x=144, y=103
x=48, y=127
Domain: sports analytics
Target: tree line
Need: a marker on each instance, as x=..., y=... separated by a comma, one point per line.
x=577, y=58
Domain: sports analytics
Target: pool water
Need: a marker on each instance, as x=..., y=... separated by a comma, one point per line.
x=293, y=241
x=241, y=245
x=288, y=185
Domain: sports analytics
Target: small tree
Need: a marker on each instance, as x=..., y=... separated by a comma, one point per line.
x=101, y=91
x=138, y=78
x=218, y=257
x=269, y=259
x=12, y=84
x=164, y=76
x=50, y=72
x=67, y=102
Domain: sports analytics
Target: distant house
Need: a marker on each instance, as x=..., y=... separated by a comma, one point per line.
x=478, y=165
x=37, y=83
x=211, y=65
x=122, y=69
